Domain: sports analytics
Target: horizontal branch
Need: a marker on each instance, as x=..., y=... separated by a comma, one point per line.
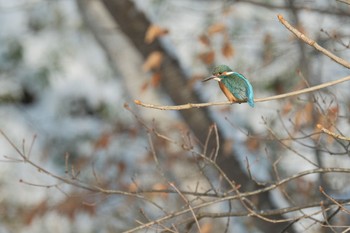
x=275, y=211
x=312, y=43
x=344, y=1
x=275, y=97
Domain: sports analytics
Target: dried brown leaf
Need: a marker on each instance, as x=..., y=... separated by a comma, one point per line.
x=216, y=28
x=153, y=61
x=74, y=204
x=144, y=87
x=204, y=39
x=121, y=168
x=287, y=107
x=36, y=211
x=303, y=116
x=227, y=50
x=207, y=57
x=332, y=114
x=156, y=77
x=253, y=144
x=103, y=141
x=207, y=227
x=153, y=32
x=227, y=147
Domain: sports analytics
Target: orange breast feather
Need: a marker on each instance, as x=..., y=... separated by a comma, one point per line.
x=228, y=94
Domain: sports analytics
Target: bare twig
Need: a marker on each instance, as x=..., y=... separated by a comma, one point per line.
x=247, y=194
x=312, y=42
x=289, y=147
x=74, y=182
x=334, y=201
x=31, y=146
x=217, y=143
x=275, y=97
x=328, y=218
x=268, y=5
x=336, y=136
x=344, y=1
x=189, y=206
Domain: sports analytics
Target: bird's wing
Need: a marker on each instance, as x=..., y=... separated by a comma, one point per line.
x=236, y=89
x=238, y=85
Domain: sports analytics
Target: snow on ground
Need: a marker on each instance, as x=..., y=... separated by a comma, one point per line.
x=69, y=73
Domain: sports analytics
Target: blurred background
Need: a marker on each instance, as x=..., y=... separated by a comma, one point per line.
x=71, y=70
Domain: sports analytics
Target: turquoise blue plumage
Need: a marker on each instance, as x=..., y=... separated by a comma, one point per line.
x=234, y=85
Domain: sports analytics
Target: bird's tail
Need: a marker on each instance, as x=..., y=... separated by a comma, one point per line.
x=251, y=102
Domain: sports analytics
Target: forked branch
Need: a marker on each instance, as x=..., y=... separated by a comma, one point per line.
x=312, y=43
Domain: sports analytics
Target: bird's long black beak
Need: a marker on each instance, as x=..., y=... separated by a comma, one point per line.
x=209, y=78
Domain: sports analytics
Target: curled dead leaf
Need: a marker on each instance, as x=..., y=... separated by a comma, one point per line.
x=253, y=144
x=207, y=57
x=144, y=87
x=227, y=50
x=153, y=32
x=204, y=39
x=153, y=61
x=156, y=77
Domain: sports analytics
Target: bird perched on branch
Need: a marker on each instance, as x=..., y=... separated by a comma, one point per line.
x=234, y=85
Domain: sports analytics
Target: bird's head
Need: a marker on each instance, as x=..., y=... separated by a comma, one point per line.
x=219, y=72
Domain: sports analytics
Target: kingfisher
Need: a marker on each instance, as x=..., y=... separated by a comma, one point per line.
x=234, y=85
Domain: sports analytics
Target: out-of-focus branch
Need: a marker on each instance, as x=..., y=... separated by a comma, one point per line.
x=246, y=194
x=275, y=97
x=279, y=211
x=312, y=43
x=332, y=134
x=263, y=214
x=344, y=1
x=305, y=8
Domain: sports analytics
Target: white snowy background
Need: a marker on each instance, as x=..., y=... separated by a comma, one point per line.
x=48, y=53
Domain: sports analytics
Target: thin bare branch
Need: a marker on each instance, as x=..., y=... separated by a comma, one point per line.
x=247, y=194
x=334, y=201
x=312, y=43
x=73, y=182
x=269, y=5
x=344, y=1
x=275, y=97
x=336, y=136
x=188, y=204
